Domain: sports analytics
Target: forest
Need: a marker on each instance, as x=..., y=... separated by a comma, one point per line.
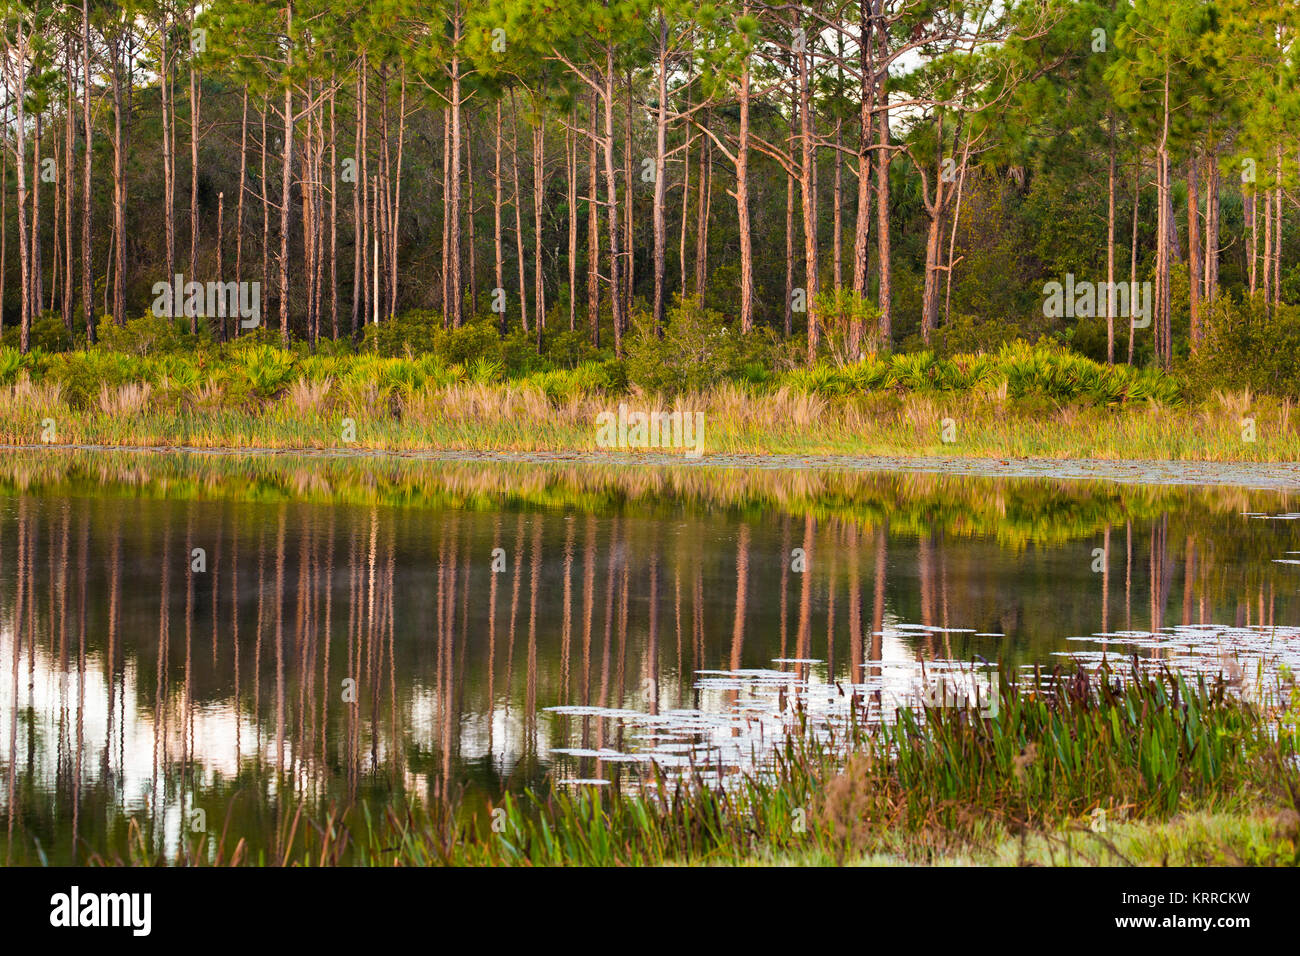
x=575, y=174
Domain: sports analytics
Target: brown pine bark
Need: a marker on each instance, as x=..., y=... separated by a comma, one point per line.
x=1133, y=257
x=221, y=225
x=37, y=294
x=286, y=184
x=539, y=190
x=1194, y=265
x=660, y=225
x=119, y=188
x=1110, y=245
x=169, y=159
x=358, y=198
x=519, y=220
x=883, y=252
x=87, y=133
x=571, y=194
x=611, y=201
x=195, y=103
x=1212, y=227
x=702, y=215
x=593, y=233
x=16, y=64
x=239, y=203
x=744, y=227
x=66, y=183
x=498, y=245
x=266, y=212
x=334, y=216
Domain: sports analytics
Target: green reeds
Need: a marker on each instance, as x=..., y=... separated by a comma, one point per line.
x=932, y=785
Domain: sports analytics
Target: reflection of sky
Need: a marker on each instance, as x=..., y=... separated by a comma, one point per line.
x=52, y=700
x=744, y=715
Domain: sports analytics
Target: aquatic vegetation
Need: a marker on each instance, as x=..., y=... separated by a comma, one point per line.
x=1065, y=763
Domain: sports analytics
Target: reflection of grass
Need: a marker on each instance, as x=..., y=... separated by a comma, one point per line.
x=1014, y=511
x=1184, y=774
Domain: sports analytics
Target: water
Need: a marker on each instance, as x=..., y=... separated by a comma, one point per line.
x=348, y=640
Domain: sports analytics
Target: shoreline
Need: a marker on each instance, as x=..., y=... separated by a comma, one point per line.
x=1263, y=476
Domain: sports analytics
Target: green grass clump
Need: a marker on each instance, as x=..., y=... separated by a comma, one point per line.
x=1174, y=769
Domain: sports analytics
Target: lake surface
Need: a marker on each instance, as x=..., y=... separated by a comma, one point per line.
x=241, y=634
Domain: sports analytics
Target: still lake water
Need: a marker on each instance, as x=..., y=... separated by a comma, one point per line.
x=237, y=635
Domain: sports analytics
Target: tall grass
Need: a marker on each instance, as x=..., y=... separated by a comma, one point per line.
x=933, y=784
x=1019, y=402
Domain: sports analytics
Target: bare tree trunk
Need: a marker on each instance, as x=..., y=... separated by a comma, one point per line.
x=571, y=184
x=266, y=211
x=169, y=156
x=453, y=213
x=67, y=182
x=661, y=175
x=1133, y=259
x=1253, y=201
x=446, y=219
x=396, y=206
x=539, y=190
x=630, y=198
x=497, y=242
x=286, y=172
x=472, y=252
x=702, y=215
x=1110, y=244
x=195, y=102
x=4, y=205
x=38, y=295
x=519, y=220
x=593, y=234
x=221, y=225
x=611, y=197
x=309, y=239
x=87, y=307
x=789, y=254
x=1194, y=266
x=1266, y=280
x=119, y=193
x=1277, y=232
x=1212, y=227
x=17, y=61
x=239, y=203
x=358, y=195
x=334, y=217
x=742, y=203
x=883, y=253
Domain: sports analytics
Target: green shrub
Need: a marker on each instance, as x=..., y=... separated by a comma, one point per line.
x=267, y=369
x=11, y=364
x=48, y=333
x=150, y=335
x=697, y=350
x=1247, y=345
x=81, y=374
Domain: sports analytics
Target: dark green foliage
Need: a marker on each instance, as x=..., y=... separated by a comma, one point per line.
x=48, y=333
x=150, y=335
x=1248, y=346
x=697, y=350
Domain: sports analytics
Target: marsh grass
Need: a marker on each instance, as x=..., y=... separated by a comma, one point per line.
x=1180, y=770
x=1021, y=401
x=738, y=419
